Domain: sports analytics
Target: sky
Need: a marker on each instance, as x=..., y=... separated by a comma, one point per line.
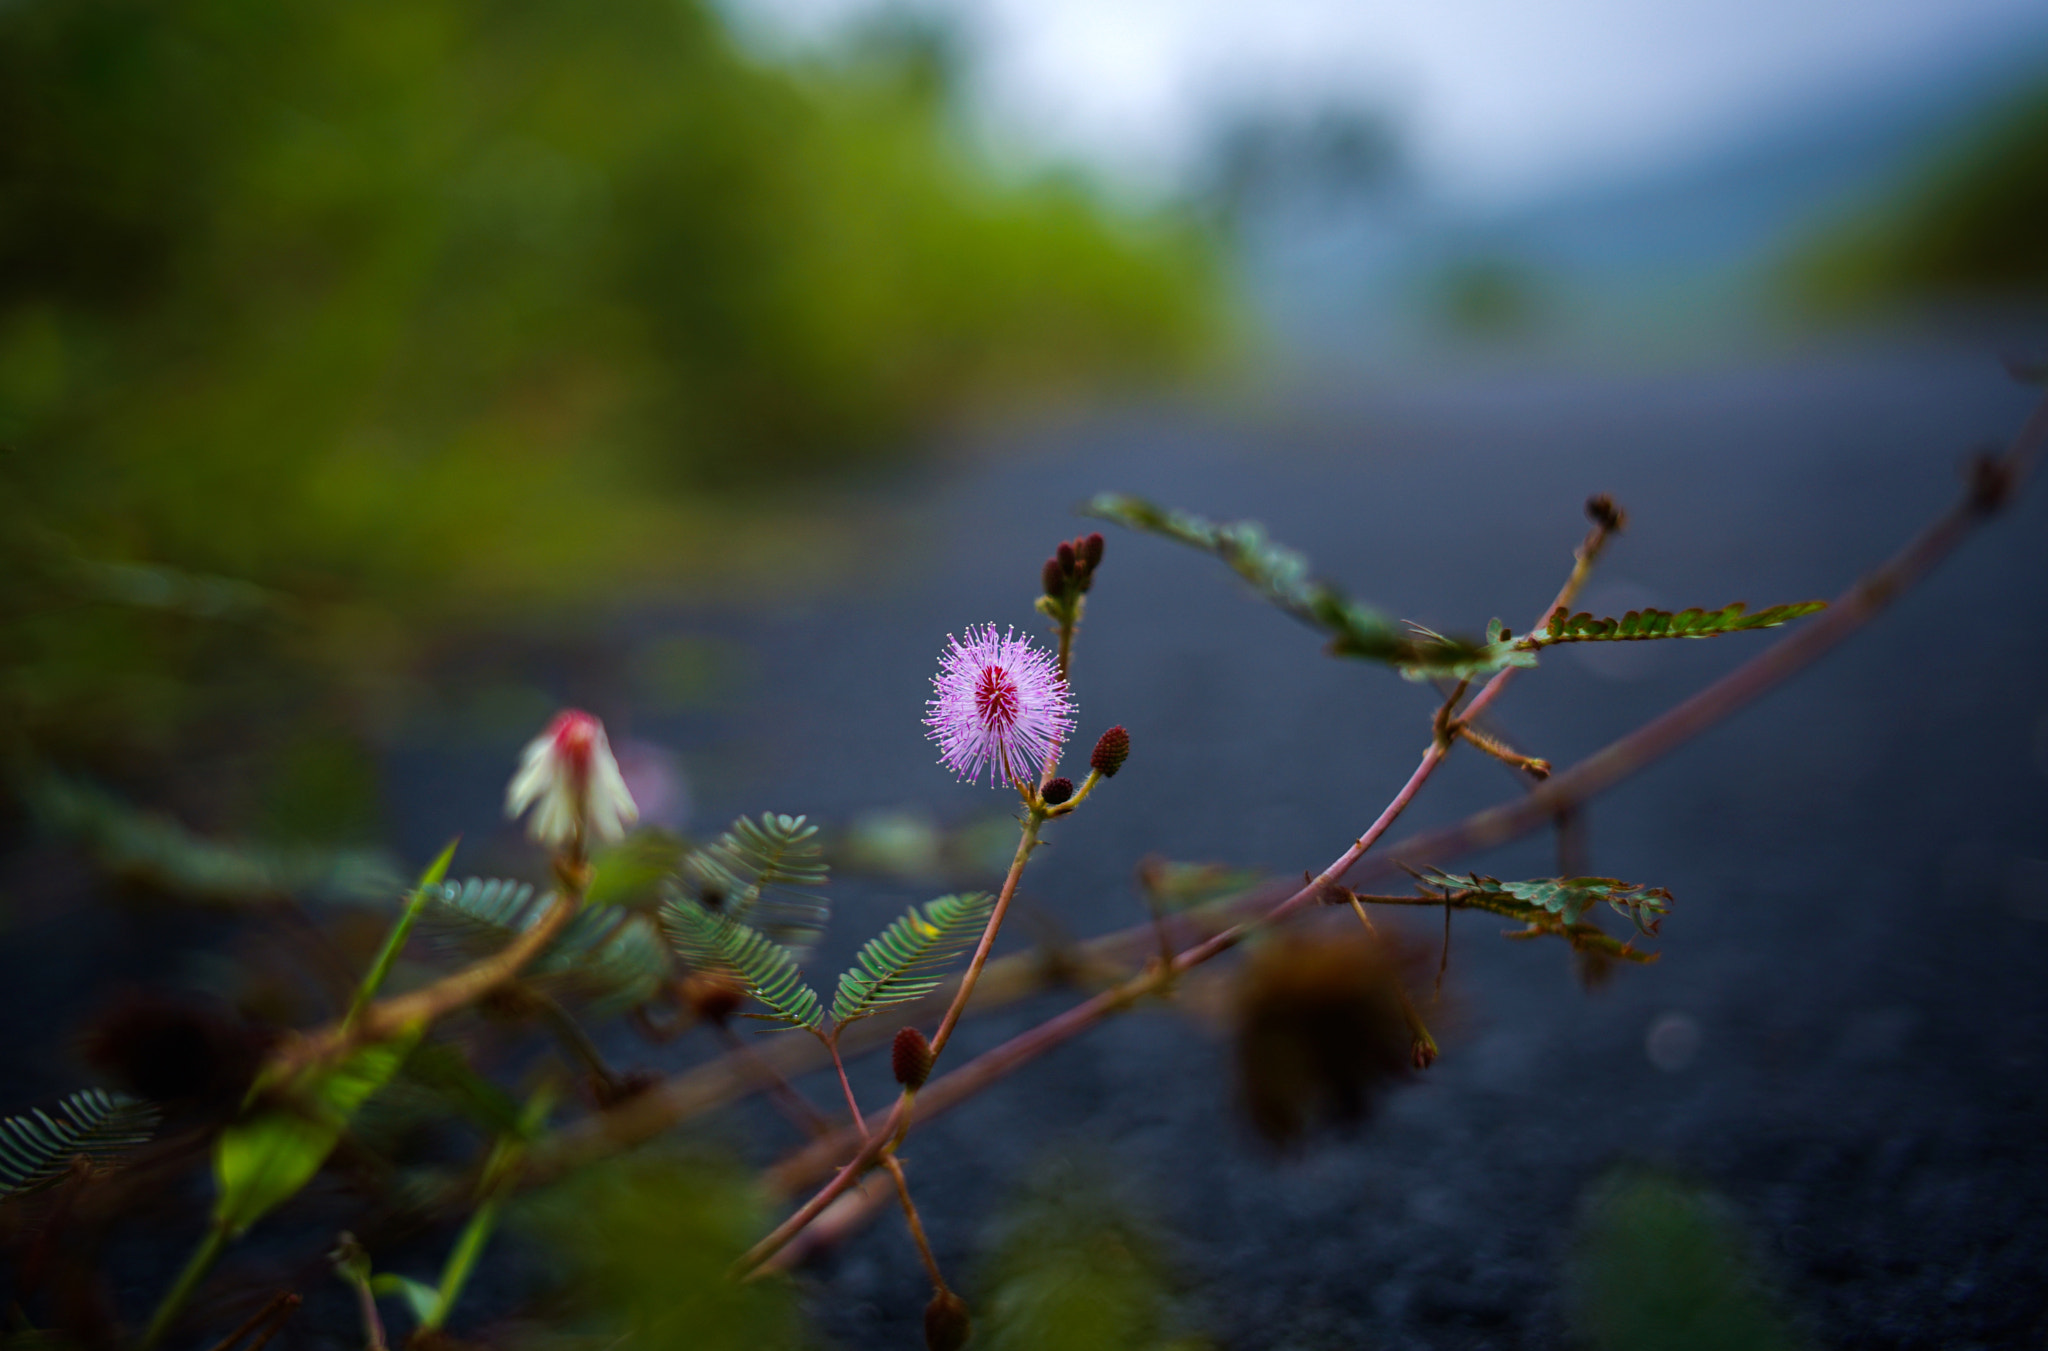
x=1499, y=100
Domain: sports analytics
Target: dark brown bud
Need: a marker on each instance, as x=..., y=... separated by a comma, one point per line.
x=1054, y=581
x=1058, y=791
x=1066, y=558
x=910, y=1057
x=1111, y=751
x=1091, y=551
x=946, y=1324
x=1600, y=508
x=713, y=999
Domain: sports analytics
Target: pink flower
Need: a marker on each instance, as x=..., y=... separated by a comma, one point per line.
x=568, y=775
x=997, y=704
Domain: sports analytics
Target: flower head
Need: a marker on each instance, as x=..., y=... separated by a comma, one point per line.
x=569, y=772
x=999, y=704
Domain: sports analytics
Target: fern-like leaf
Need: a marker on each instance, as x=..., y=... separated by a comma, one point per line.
x=1566, y=627
x=606, y=957
x=764, y=874
x=36, y=1148
x=1560, y=899
x=716, y=943
x=1282, y=576
x=901, y=963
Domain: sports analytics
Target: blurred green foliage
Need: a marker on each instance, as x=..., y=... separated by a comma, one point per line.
x=411, y=311
x=1074, y=1270
x=641, y=1246
x=1661, y=1264
x=1967, y=227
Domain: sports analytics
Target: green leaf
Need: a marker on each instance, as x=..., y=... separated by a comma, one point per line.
x=265, y=1158
x=1452, y=659
x=715, y=943
x=419, y=1297
x=765, y=875
x=608, y=958
x=1282, y=576
x=1565, y=627
x=1565, y=898
x=36, y=1148
x=901, y=963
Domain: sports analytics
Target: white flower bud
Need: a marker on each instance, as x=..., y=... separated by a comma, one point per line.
x=568, y=776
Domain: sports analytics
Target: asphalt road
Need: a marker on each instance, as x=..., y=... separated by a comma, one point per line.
x=1860, y=861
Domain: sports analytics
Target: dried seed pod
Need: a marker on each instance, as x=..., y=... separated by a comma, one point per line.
x=1604, y=513
x=946, y=1324
x=1111, y=750
x=910, y=1057
x=1058, y=791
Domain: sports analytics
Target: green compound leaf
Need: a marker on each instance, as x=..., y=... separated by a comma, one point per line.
x=608, y=958
x=1281, y=575
x=1566, y=627
x=1564, y=898
x=715, y=943
x=764, y=874
x=36, y=1148
x=901, y=963
x=1452, y=659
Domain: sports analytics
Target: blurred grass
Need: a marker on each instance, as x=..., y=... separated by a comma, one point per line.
x=1965, y=228
x=1661, y=1264
x=424, y=316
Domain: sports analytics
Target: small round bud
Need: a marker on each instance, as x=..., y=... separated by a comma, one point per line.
x=1066, y=558
x=1605, y=514
x=1111, y=751
x=1058, y=791
x=712, y=999
x=946, y=1324
x=1054, y=581
x=1091, y=551
x=910, y=1057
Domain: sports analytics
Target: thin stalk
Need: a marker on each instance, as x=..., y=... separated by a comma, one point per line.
x=1026, y=842
x=1418, y=1031
x=202, y=1260
x=794, y=1104
x=573, y=1038
x=394, y=942
x=280, y=1300
x=462, y=1260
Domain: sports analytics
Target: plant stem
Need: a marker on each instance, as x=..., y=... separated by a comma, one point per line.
x=202, y=1260
x=394, y=942
x=1026, y=842
x=462, y=1259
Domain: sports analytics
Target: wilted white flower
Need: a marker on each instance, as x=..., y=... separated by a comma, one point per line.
x=568, y=776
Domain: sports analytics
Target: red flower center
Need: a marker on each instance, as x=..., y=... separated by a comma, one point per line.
x=995, y=698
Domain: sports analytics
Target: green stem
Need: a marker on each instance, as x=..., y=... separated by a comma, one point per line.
x=462, y=1259
x=394, y=942
x=203, y=1258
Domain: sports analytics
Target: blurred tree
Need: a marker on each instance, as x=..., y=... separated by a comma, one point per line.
x=414, y=308
x=1967, y=226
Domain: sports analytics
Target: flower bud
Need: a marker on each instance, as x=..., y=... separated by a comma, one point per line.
x=567, y=774
x=1091, y=551
x=1053, y=579
x=712, y=998
x=1058, y=791
x=1111, y=751
x=946, y=1324
x=1066, y=558
x=910, y=1057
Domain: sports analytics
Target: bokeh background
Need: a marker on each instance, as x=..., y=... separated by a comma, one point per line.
x=374, y=379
